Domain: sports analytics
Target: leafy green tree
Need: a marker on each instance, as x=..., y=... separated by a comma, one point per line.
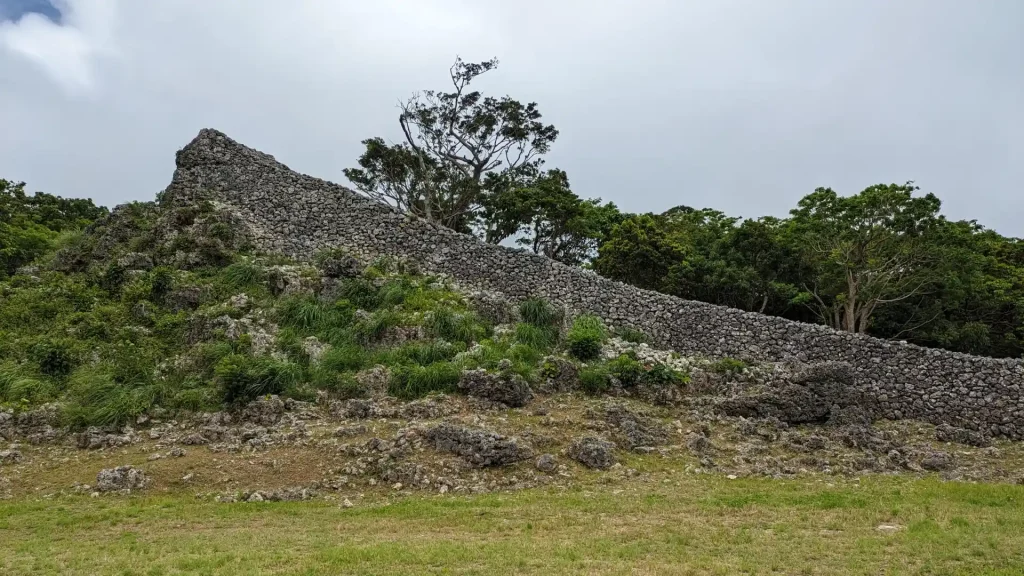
x=639, y=251
x=459, y=146
x=549, y=219
x=866, y=251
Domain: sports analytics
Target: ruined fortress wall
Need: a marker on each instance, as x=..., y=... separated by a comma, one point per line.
x=299, y=215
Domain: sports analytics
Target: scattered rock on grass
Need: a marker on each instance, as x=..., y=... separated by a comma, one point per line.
x=593, y=452
x=120, y=478
x=546, y=463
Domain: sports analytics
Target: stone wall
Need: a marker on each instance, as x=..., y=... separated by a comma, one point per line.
x=298, y=215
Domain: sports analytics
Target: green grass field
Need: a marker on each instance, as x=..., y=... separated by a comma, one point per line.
x=698, y=525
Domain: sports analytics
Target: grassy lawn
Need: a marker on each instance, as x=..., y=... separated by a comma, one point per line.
x=698, y=525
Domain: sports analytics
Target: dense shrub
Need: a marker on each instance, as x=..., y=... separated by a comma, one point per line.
x=243, y=378
x=539, y=312
x=344, y=358
x=627, y=369
x=661, y=374
x=54, y=357
x=586, y=337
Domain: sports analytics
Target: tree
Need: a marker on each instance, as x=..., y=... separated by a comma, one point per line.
x=459, y=147
x=549, y=219
x=639, y=251
x=866, y=251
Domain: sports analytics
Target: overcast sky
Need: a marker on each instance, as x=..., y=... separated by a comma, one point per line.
x=740, y=105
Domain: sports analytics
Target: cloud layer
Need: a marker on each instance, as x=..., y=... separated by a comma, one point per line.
x=740, y=105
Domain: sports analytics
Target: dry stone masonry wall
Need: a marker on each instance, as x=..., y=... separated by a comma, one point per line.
x=299, y=215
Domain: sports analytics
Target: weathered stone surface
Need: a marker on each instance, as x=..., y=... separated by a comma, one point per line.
x=948, y=433
x=592, y=452
x=10, y=456
x=546, y=463
x=120, y=478
x=635, y=430
x=480, y=447
x=298, y=215
x=509, y=389
x=813, y=394
x=937, y=461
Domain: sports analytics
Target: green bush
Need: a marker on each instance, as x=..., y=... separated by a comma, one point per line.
x=594, y=380
x=243, y=378
x=660, y=374
x=728, y=366
x=307, y=313
x=586, y=337
x=408, y=382
x=54, y=357
x=421, y=353
x=16, y=385
x=341, y=384
x=373, y=328
x=360, y=292
x=627, y=369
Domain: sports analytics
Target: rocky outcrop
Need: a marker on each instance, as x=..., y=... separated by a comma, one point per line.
x=481, y=448
x=509, y=389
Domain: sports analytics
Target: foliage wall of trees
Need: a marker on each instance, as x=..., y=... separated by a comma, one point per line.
x=31, y=224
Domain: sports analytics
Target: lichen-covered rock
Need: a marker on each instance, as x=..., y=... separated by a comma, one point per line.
x=265, y=411
x=937, y=461
x=493, y=307
x=121, y=478
x=482, y=448
x=559, y=374
x=509, y=389
x=340, y=266
x=948, y=433
x=699, y=444
x=592, y=452
x=10, y=456
x=636, y=430
x=546, y=463
x=94, y=438
x=314, y=349
x=374, y=380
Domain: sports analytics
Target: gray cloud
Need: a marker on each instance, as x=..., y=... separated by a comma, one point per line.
x=740, y=105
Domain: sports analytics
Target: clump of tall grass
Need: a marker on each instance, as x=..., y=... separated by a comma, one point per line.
x=409, y=382
x=456, y=326
x=243, y=378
